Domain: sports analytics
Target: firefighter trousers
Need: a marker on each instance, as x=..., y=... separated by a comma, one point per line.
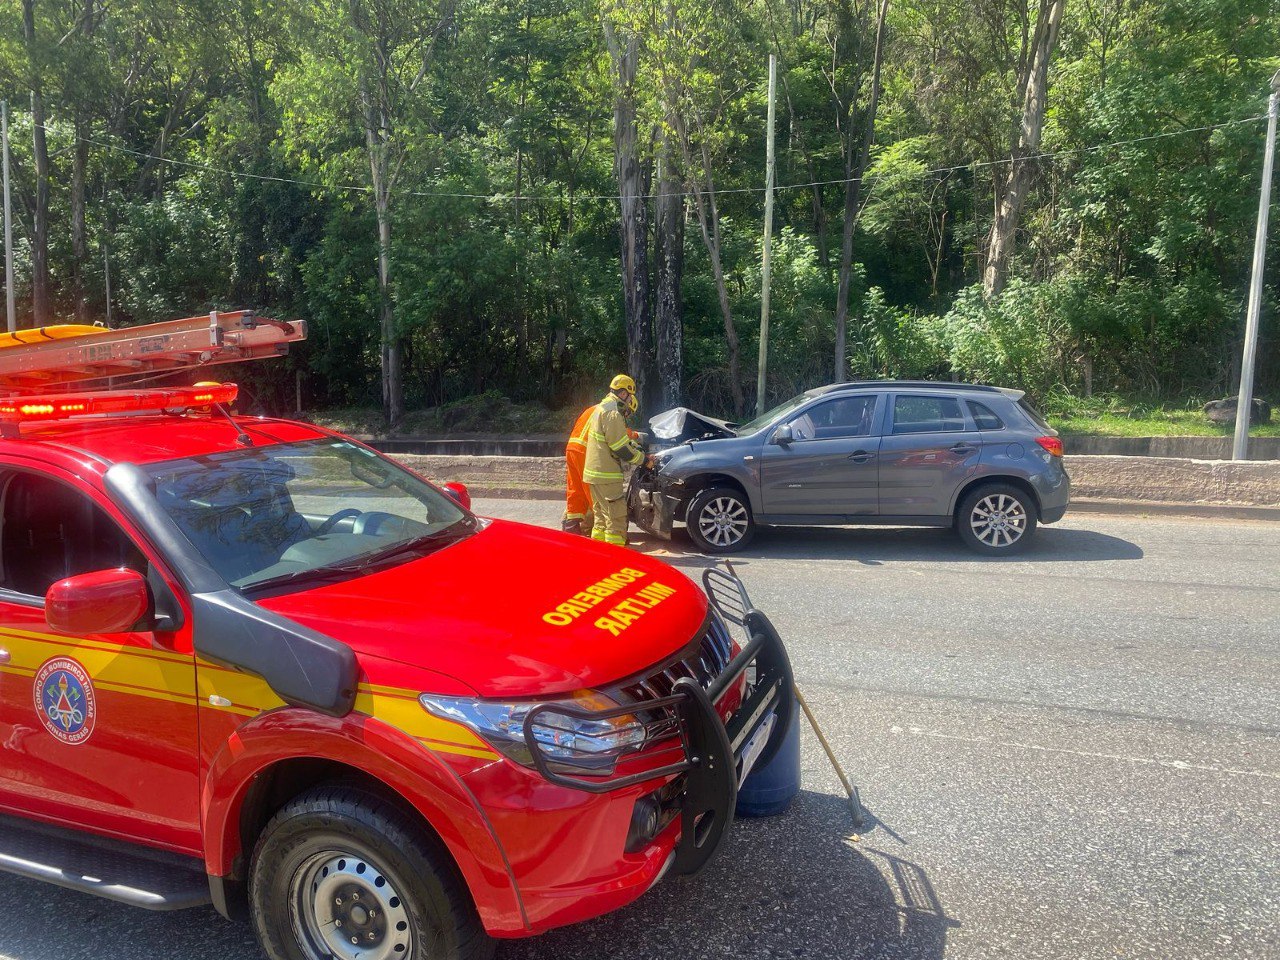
x=577, y=500
x=609, y=504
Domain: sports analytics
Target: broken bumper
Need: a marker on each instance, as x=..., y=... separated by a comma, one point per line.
x=710, y=757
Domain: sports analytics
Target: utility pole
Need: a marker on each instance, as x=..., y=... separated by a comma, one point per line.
x=106, y=249
x=768, y=243
x=1244, y=405
x=8, y=222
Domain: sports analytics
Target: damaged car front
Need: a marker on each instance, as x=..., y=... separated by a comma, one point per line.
x=684, y=444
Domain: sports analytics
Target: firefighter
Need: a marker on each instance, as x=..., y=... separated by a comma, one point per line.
x=609, y=446
x=578, y=516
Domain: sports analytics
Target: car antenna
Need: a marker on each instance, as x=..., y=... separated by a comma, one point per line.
x=241, y=437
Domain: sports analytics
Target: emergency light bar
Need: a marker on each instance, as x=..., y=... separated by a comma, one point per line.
x=60, y=406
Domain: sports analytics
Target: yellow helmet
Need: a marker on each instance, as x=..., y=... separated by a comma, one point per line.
x=622, y=382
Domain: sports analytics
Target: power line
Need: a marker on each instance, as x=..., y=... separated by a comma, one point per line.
x=560, y=198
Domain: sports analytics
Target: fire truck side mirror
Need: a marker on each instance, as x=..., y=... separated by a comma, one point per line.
x=460, y=493
x=105, y=601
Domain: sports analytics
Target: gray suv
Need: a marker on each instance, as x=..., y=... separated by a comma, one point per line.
x=901, y=453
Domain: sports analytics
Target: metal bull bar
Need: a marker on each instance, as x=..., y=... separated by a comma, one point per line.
x=711, y=751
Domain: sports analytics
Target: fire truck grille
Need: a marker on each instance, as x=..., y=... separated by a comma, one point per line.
x=707, y=661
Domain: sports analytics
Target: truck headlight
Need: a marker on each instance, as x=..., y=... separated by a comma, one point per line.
x=593, y=744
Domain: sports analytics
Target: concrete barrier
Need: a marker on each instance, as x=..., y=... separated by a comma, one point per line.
x=1171, y=480
x=1181, y=448
x=1136, y=480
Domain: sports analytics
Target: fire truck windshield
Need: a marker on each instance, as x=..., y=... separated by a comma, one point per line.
x=294, y=513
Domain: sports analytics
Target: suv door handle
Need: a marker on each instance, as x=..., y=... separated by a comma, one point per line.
x=963, y=448
x=860, y=456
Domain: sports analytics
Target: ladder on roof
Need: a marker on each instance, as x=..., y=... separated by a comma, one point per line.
x=52, y=357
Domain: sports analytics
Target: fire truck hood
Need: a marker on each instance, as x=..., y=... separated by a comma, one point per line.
x=512, y=611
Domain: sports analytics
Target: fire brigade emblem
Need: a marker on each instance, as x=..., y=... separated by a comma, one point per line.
x=65, y=700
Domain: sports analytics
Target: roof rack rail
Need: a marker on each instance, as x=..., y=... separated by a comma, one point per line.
x=908, y=384
x=51, y=358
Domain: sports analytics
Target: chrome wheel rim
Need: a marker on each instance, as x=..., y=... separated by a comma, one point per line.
x=723, y=521
x=345, y=908
x=998, y=520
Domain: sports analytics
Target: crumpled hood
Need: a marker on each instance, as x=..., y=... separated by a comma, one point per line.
x=512, y=611
x=681, y=424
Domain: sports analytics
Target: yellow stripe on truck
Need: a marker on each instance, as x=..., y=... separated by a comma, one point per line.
x=178, y=678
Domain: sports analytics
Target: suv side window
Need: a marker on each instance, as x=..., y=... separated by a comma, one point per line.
x=841, y=417
x=916, y=414
x=984, y=417
x=50, y=531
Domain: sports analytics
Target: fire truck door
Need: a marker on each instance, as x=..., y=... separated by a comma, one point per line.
x=98, y=730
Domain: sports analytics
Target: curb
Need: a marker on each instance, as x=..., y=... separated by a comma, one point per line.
x=1131, y=508
x=1164, y=508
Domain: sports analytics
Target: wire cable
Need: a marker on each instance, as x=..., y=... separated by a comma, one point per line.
x=561, y=198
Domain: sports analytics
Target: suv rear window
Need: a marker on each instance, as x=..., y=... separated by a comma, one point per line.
x=927, y=415
x=1034, y=414
x=984, y=417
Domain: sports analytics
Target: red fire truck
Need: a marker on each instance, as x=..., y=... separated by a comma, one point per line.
x=254, y=663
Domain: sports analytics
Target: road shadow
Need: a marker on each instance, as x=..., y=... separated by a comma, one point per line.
x=788, y=886
x=875, y=545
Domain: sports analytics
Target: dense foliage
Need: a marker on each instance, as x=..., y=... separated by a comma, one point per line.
x=211, y=153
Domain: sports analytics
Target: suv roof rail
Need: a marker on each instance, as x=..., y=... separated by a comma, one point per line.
x=911, y=384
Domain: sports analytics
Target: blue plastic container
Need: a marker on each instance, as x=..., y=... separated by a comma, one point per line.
x=769, y=790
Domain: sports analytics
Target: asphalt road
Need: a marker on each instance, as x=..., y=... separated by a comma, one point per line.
x=1074, y=754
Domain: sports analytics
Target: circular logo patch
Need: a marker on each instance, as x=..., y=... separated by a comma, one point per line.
x=65, y=701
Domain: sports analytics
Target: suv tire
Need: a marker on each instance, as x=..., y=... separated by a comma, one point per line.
x=719, y=520
x=341, y=861
x=996, y=519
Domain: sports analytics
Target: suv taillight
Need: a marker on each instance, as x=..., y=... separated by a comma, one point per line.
x=1052, y=444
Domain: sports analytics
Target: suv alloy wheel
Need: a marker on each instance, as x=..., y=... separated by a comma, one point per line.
x=996, y=519
x=719, y=520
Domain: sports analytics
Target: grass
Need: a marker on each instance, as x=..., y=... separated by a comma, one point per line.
x=1119, y=417
x=492, y=413
x=488, y=413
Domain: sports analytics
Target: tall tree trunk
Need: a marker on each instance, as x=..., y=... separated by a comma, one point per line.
x=79, y=235
x=709, y=224
x=854, y=170
x=40, y=220
x=392, y=352
x=633, y=227
x=380, y=178
x=669, y=251
x=1004, y=226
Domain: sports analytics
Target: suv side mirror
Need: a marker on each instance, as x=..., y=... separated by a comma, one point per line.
x=783, y=435
x=105, y=601
x=460, y=493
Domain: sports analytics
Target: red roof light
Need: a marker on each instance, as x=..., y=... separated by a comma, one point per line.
x=61, y=406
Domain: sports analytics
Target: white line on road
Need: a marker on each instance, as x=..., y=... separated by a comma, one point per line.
x=1149, y=761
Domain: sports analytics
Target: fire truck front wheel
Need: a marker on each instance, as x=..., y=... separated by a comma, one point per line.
x=339, y=872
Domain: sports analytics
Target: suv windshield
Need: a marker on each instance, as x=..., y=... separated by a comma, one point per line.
x=766, y=418
x=301, y=512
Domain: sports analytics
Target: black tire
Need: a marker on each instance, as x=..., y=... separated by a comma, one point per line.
x=992, y=513
x=350, y=852
x=719, y=520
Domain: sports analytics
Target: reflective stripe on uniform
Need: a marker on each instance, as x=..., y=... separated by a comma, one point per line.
x=601, y=475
